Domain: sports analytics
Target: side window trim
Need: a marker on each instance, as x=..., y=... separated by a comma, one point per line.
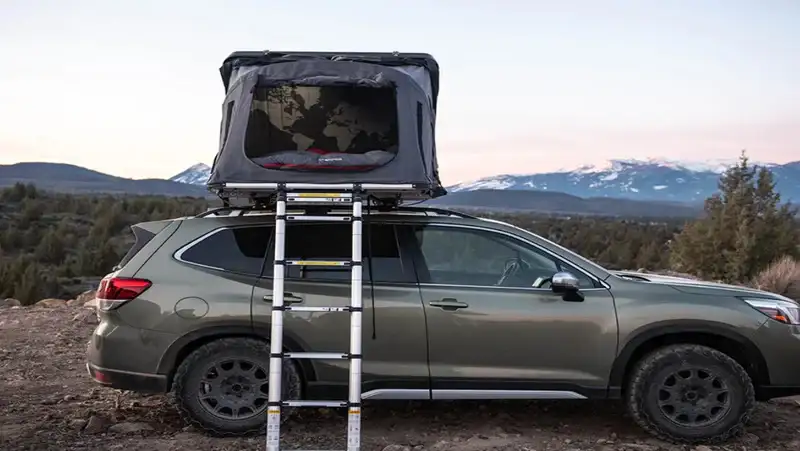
x=424, y=275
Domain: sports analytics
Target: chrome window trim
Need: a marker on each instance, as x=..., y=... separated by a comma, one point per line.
x=604, y=286
x=178, y=254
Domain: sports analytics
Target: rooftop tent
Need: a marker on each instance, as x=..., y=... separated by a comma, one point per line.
x=309, y=117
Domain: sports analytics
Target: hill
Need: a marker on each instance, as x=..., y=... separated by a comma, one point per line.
x=561, y=203
x=68, y=178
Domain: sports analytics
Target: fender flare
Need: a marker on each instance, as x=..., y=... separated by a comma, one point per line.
x=677, y=327
x=180, y=347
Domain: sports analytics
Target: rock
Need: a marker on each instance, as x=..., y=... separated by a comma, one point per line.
x=129, y=428
x=639, y=447
x=10, y=302
x=86, y=316
x=51, y=303
x=95, y=425
x=77, y=424
x=86, y=296
x=750, y=439
x=702, y=448
x=396, y=448
x=73, y=303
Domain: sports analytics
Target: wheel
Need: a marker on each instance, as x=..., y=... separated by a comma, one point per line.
x=222, y=387
x=690, y=394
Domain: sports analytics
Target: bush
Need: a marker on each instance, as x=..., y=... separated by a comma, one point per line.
x=781, y=277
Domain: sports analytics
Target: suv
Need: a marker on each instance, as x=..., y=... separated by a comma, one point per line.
x=455, y=307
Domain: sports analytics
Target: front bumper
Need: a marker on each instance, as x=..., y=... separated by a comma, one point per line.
x=127, y=380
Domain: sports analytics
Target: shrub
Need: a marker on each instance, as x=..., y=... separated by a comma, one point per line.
x=781, y=277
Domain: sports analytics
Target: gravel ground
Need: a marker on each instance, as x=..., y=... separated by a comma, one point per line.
x=48, y=402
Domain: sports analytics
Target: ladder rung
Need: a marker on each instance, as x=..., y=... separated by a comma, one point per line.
x=319, y=218
x=314, y=403
x=317, y=263
x=317, y=355
x=298, y=308
x=312, y=195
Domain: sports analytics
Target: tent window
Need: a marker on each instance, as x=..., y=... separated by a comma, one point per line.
x=344, y=128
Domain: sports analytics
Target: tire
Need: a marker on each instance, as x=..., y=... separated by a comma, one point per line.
x=719, y=397
x=233, y=389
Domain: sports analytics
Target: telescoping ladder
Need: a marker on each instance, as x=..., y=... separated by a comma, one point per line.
x=354, y=198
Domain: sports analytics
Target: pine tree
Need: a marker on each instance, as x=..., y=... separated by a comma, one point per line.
x=745, y=228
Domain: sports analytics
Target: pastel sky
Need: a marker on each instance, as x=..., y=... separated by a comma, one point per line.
x=132, y=87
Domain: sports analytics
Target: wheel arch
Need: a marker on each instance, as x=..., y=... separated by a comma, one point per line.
x=720, y=336
x=186, y=344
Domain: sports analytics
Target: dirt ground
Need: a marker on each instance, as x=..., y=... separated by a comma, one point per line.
x=48, y=402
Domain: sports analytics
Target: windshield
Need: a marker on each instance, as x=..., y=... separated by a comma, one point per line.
x=558, y=246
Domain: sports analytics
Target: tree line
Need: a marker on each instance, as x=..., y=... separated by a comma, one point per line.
x=51, y=244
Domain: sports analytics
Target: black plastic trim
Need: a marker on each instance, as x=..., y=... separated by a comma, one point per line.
x=660, y=329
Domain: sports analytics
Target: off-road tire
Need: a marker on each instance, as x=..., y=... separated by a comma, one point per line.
x=187, y=380
x=643, y=390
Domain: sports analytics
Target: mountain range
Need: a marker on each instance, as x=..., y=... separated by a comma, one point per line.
x=650, y=180
x=618, y=188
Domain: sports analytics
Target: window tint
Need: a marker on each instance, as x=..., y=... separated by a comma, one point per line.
x=333, y=241
x=240, y=249
x=473, y=257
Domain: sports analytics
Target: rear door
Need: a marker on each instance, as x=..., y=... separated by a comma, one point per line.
x=394, y=340
x=513, y=340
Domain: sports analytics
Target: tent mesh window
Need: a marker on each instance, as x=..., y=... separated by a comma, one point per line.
x=322, y=128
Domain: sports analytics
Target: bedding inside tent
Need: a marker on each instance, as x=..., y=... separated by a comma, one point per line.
x=322, y=128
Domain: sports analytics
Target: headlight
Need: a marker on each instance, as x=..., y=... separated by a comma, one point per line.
x=786, y=312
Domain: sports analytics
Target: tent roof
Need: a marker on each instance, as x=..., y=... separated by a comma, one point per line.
x=256, y=58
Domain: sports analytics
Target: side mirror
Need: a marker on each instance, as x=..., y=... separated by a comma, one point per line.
x=564, y=282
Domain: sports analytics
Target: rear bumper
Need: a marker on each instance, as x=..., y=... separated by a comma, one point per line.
x=126, y=380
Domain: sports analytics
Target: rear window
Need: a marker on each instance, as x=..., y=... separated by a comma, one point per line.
x=245, y=249
x=239, y=249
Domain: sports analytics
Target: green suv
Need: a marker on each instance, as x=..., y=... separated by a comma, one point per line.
x=455, y=307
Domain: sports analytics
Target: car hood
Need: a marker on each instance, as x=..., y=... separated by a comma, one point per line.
x=693, y=286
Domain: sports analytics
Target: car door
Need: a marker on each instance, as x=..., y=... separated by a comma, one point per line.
x=514, y=340
x=394, y=345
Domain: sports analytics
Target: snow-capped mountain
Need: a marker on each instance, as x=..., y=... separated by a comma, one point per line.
x=650, y=179
x=194, y=175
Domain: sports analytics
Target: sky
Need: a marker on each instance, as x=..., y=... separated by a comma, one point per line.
x=132, y=88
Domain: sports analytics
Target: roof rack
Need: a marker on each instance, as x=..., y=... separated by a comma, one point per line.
x=243, y=210
x=382, y=194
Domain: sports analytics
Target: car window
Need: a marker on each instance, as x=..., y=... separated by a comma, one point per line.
x=333, y=241
x=239, y=249
x=461, y=256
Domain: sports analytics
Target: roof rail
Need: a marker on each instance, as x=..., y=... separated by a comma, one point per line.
x=243, y=210
x=441, y=211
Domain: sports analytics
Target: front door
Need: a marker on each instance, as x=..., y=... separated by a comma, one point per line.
x=492, y=336
x=394, y=345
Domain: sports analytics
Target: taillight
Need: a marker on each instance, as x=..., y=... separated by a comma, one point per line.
x=115, y=291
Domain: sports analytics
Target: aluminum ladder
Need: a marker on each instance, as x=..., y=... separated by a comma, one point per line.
x=277, y=354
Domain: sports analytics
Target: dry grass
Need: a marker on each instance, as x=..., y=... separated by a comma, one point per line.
x=781, y=277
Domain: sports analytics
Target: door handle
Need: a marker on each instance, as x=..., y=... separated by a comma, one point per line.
x=448, y=304
x=288, y=298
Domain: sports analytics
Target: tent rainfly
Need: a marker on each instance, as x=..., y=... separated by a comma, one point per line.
x=310, y=117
